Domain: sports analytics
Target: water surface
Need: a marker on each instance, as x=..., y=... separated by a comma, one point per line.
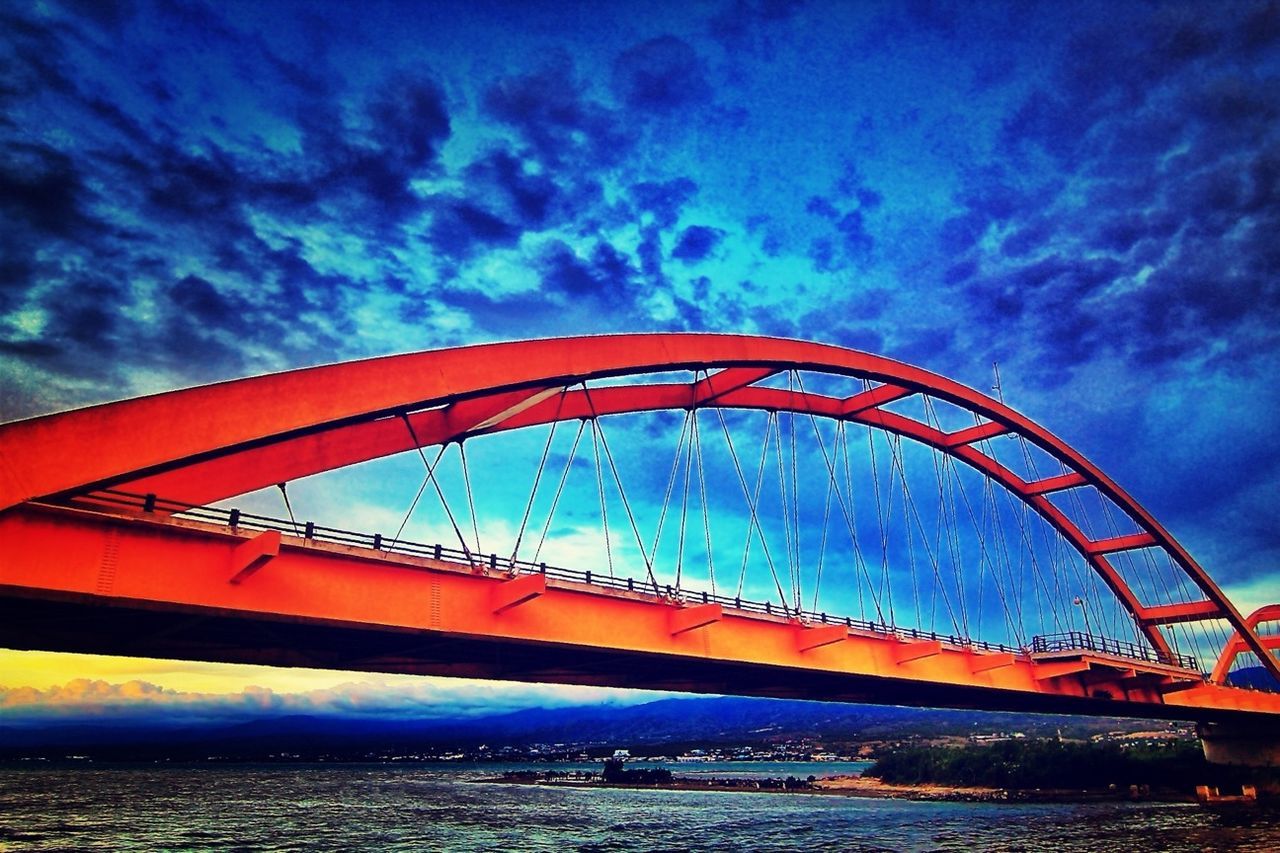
x=438, y=807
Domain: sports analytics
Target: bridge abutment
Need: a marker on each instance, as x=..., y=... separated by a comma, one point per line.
x=1240, y=744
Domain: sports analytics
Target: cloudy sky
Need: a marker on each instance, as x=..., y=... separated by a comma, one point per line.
x=1087, y=193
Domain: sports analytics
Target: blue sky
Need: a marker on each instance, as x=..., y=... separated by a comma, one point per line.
x=1088, y=193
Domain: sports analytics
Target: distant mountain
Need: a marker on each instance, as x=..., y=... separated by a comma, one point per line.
x=1253, y=676
x=667, y=722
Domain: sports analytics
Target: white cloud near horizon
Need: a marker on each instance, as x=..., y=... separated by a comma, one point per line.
x=83, y=699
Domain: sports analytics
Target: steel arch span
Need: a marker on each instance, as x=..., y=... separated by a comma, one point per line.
x=206, y=444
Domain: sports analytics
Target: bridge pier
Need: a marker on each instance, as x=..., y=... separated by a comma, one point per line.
x=1240, y=744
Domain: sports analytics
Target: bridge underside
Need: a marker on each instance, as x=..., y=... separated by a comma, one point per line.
x=82, y=581
x=82, y=624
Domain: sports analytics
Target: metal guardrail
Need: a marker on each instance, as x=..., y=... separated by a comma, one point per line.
x=234, y=518
x=1080, y=641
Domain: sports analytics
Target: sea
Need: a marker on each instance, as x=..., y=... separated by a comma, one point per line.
x=395, y=806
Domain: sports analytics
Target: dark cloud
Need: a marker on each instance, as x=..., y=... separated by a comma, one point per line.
x=193, y=187
x=368, y=183
x=196, y=298
x=531, y=198
x=131, y=200
x=1182, y=35
x=301, y=287
x=660, y=75
x=41, y=189
x=868, y=199
x=461, y=228
x=1260, y=27
x=409, y=123
x=960, y=272
x=940, y=17
x=604, y=276
x=822, y=252
x=650, y=251
x=550, y=110
x=1049, y=121
x=108, y=13
x=857, y=240
x=663, y=199
x=83, y=328
x=1030, y=236
x=743, y=23
x=849, y=243
x=1140, y=243
x=44, y=202
x=696, y=242
x=30, y=64
x=819, y=206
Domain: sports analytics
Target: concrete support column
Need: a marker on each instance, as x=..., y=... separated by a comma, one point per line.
x=1244, y=744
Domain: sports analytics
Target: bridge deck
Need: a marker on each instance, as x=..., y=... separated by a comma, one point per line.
x=150, y=585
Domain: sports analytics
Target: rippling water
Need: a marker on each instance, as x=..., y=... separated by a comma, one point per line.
x=434, y=807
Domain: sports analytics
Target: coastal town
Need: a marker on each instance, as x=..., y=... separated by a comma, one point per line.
x=789, y=750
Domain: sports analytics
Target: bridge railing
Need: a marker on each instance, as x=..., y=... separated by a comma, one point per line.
x=236, y=519
x=1081, y=641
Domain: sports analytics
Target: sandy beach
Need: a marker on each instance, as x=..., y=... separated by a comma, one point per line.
x=866, y=787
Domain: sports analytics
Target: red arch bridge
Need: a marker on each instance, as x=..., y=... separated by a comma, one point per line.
x=706, y=513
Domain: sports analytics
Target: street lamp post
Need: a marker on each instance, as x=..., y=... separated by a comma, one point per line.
x=1079, y=602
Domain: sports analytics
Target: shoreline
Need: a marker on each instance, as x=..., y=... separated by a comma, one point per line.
x=865, y=788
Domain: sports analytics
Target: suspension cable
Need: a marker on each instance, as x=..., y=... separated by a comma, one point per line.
x=414, y=503
x=1017, y=585
x=555, y=500
x=684, y=511
x=910, y=504
x=947, y=522
x=882, y=516
x=984, y=557
x=895, y=466
x=431, y=476
x=1056, y=597
x=1014, y=613
x=706, y=511
x=795, y=496
x=604, y=510
x=671, y=482
x=622, y=493
x=471, y=504
x=842, y=437
x=537, y=478
x=1019, y=512
x=826, y=525
x=849, y=518
x=754, y=500
x=786, y=514
x=742, y=481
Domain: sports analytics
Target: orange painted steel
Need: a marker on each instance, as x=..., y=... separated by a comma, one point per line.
x=1236, y=645
x=208, y=443
x=439, y=614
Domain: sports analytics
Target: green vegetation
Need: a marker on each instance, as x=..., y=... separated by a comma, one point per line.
x=1050, y=764
x=616, y=774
